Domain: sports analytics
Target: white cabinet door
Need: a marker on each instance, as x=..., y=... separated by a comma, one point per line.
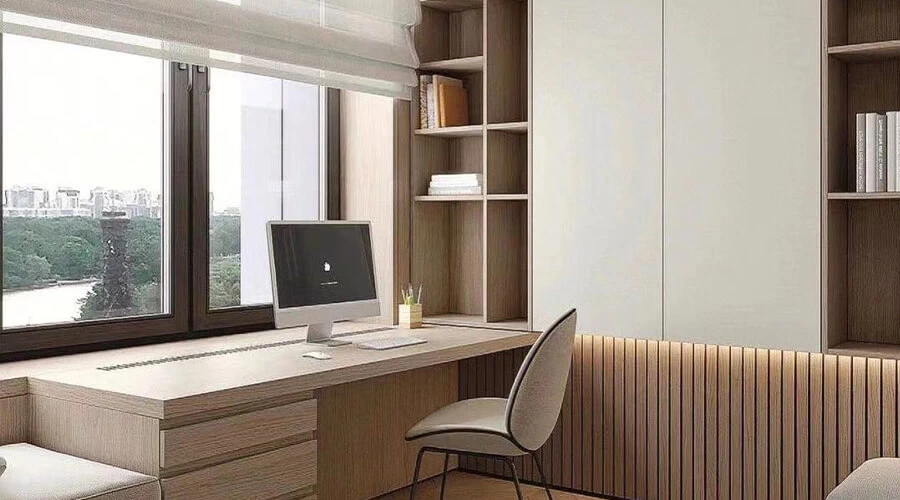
x=741, y=172
x=597, y=149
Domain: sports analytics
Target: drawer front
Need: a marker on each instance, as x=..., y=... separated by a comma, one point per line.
x=205, y=440
x=268, y=475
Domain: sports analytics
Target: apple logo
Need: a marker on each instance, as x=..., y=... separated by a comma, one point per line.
x=327, y=267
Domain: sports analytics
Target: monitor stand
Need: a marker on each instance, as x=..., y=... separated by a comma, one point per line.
x=320, y=334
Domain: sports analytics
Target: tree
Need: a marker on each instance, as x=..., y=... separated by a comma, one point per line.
x=225, y=281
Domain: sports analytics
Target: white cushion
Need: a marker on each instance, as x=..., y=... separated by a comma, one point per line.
x=876, y=479
x=473, y=425
x=34, y=473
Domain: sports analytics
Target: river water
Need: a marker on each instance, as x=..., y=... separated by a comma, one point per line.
x=55, y=304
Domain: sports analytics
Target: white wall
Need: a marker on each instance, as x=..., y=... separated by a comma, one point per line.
x=742, y=209
x=597, y=147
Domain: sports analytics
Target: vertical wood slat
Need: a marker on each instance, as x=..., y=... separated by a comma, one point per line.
x=655, y=419
x=687, y=421
x=724, y=421
x=675, y=440
x=749, y=424
x=641, y=421
x=873, y=408
x=629, y=400
x=712, y=428
x=619, y=417
x=699, y=421
x=802, y=425
x=735, y=438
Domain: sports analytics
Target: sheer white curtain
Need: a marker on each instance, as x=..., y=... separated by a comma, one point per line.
x=352, y=44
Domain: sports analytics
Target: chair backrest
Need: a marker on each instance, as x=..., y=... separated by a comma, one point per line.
x=537, y=393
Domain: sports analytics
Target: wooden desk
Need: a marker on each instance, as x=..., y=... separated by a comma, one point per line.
x=263, y=423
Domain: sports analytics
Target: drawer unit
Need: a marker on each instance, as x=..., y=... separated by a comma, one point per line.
x=289, y=471
x=225, y=436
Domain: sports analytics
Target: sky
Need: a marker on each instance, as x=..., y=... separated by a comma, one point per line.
x=80, y=117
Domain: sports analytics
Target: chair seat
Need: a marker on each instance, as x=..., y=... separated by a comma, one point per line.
x=34, y=473
x=876, y=479
x=473, y=425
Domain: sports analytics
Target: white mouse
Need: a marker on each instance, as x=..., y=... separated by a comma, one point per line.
x=316, y=355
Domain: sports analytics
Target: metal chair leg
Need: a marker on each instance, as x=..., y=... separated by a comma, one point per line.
x=444, y=475
x=512, y=468
x=537, y=462
x=412, y=489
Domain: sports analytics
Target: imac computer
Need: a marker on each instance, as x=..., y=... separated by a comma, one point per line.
x=322, y=272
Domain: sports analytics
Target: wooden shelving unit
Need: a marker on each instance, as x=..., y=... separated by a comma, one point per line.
x=472, y=253
x=861, y=241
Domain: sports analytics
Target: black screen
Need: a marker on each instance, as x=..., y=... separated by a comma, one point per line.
x=322, y=264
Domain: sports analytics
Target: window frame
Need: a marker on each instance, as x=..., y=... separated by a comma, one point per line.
x=189, y=316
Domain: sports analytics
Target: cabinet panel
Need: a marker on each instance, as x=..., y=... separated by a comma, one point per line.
x=742, y=163
x=597, y=148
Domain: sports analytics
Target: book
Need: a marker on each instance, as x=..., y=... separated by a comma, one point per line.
x=433, y=98
x=891, y=151
x=432, y=115
x=881, y=154
x=424, y=80
x=457, y=179
x=454, y=106
x=445, y=191
x=860, y=152
x=871, y=149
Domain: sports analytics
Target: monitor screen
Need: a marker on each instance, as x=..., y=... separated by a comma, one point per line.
x=319, y=264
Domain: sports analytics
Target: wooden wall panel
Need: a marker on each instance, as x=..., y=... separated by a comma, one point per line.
x=657, y=419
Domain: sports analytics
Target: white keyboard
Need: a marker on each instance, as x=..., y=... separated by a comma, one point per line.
x=389, y=343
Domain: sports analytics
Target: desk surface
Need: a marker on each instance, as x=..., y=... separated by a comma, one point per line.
x=198, y=385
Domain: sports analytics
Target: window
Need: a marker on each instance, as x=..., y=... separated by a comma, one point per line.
x=135, y=193
x=264, y=163
x=84, y=174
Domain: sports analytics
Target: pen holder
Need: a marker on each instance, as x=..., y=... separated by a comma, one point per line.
x=410, y=315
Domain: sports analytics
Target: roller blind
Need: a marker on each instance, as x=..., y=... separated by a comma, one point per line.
x=351, y=44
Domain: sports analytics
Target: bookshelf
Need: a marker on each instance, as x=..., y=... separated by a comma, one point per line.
x=472, y=253
x=861, y=241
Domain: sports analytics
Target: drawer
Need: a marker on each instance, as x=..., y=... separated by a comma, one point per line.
x=191, y=443
x=268, y=475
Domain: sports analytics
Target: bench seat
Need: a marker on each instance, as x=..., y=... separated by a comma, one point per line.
x=34, y=473
x=876, y=479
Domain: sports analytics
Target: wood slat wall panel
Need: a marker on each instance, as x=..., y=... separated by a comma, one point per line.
x=657, y=419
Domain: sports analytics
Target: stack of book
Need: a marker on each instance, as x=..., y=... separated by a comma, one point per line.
x=877, y=148
x=455, y=184
x=443, y=102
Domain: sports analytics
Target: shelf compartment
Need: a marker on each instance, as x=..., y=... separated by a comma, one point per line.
x=864, y=196
x=463, y=131
x=506, y=47
x=507, y=261
x=452, y=32
x=506, y=170
x=866, y=52
x=474, y=64
x=851, y=22
x=448, y=257
x=446, y=198
x=866, y=349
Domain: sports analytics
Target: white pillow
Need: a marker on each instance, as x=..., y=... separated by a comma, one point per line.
x=2, y=465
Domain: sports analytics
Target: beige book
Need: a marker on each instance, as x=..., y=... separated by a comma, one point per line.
x=454, y=106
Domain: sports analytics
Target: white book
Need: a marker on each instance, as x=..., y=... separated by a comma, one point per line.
x=881, y=154
x=459, y=183
x=444, y=191
x=457, y=177
x=891, y=165
x=434, y=100
x=860, y=152
x=871, y=152
x=896, y=165
x=432, y=110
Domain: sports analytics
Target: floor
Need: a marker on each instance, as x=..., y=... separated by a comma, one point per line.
x=461, y=485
